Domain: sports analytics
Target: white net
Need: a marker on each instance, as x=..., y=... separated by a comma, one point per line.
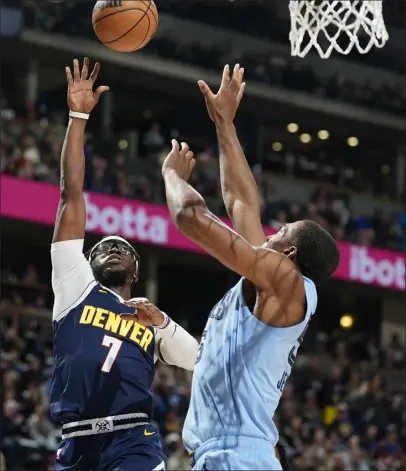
x=336, y=25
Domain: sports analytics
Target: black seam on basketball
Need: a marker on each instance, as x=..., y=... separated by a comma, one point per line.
x=116, y=13
x=146, y=37
x=132, y=27
x=140, y=45
x=155, y=18
x=152, y=12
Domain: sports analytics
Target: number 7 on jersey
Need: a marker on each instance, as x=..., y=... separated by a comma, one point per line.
x=114, y=346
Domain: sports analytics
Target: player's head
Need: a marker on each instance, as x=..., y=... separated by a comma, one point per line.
x=311, y=247
x=114, y=261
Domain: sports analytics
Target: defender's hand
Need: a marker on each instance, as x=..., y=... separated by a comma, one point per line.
x=223, y=106
x=81, y=97
x=146, y=313
x=180, y=159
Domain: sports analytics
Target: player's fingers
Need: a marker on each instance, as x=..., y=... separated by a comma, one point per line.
x=85, y=69
x=205, y=89
x=189, y=155
x=235, y=81
x=99, y=91
x=240, y=93
x=69, y=77
x=184, y=149
x=241, y=74
x=225, y=81
x=134, y=300
x=192, y=164
x=95, y=72
x=175, y=145
x=148, y=309
x=76, y=71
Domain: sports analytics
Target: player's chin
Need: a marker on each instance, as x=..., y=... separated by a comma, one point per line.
x=115, y=265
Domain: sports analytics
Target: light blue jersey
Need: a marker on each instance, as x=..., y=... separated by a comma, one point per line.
x=240, y=373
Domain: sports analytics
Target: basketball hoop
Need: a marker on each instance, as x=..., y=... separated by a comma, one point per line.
x=337, y=21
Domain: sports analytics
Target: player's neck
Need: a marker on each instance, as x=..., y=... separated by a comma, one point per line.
x=123, y=291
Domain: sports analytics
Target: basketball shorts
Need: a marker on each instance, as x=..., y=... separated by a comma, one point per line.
x=231, y=453
x=134, y=449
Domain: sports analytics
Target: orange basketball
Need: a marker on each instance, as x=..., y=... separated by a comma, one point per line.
x=125, y=25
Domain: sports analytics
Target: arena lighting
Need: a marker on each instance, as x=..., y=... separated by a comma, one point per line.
x=305, y=138
x=277, y=146
x=292, y=127
x=346, y=321
x=385, y=170
x=123, y=144
x=323, y=134
x=352, y=141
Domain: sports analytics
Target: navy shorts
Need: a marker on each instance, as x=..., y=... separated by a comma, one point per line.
x=134, y=449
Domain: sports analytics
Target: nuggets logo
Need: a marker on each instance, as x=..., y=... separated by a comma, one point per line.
x=102, y=426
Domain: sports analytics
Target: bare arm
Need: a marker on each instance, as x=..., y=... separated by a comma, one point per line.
x=72, y=276
x=71, y=217
x=239, y=188
x=270, y=271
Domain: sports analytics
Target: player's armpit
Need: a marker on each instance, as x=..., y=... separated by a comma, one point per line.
x=270, y=271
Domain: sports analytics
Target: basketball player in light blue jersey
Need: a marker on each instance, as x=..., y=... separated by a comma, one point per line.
x=253, y=334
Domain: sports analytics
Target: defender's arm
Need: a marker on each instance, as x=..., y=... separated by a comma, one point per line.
x=270, y=271
x=238, y=186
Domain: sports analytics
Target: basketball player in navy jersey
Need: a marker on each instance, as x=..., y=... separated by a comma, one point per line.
x=105, y=343
x=252, y=336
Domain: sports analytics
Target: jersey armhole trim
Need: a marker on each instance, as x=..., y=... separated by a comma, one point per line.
x=158, y=353
x=80, y=299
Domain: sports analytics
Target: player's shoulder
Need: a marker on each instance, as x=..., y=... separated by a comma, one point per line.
x=72, y=276
x=64, y=245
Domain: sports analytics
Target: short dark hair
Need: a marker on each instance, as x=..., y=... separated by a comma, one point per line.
x=317, y=253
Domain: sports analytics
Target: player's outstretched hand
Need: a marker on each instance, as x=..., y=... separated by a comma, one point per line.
x=81, y=97
x=180, y=159
x=146, y=313
x=223, y=106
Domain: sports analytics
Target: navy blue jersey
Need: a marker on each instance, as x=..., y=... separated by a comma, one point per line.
x=104, y=365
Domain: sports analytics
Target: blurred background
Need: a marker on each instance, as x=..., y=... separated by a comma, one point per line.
x=325, y=140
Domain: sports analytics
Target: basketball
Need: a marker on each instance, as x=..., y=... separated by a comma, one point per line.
x=125, y=25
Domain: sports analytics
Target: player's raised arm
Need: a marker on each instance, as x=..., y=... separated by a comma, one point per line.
x=71, y=217
x=72, y=276
x=238, y=186
x=266, y=268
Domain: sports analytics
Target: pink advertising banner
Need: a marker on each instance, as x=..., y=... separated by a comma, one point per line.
x=151, y=224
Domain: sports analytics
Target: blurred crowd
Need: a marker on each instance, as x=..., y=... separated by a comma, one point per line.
x=31, y=149
x=284, y=71
x=344, y=407
x=278, y=70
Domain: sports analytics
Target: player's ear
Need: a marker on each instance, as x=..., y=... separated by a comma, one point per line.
x=290, y=252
